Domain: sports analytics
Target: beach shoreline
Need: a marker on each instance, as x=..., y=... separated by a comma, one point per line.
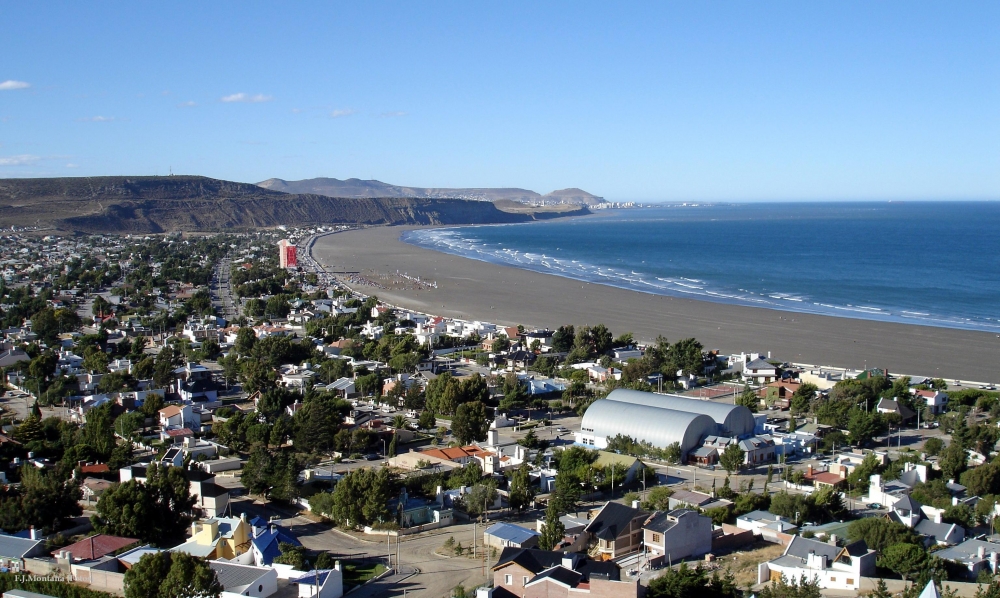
x=461, y=287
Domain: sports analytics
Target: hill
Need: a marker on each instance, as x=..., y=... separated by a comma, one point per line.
x=194, y=203
x=359, y=188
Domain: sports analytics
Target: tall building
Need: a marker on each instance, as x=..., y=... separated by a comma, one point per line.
x=286, y=254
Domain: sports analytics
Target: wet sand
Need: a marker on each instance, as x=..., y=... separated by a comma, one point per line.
x=475, y=290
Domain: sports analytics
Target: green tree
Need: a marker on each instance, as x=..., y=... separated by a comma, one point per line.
x=749, y=399
x=658, y=499
x=783, y=589
x=158, y=511
x=553, y=529
x=687, y=582
x=933, y=446
x=480, y=497
x=879, y=533
x=427, y=421
x=245, y=341
x=171, y=575
x=470, y=423
x=672, y=454
x=864, y=426
x=521, y=489
x=982, y=480
x=732, y=458
x=904, y=559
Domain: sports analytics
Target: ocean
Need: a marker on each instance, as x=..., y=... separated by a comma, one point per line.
x=930, y=263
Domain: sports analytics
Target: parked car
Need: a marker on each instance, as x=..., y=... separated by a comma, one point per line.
x=372, y=457
x=874, y=506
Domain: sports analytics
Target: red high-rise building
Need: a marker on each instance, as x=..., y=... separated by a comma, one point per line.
x=287, y=254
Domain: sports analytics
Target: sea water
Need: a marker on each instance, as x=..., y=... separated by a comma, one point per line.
x=932, y=263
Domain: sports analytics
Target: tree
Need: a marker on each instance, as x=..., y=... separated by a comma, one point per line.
x=879, y=533
x=672, y=454
x=954, y=460
x=171, y=575
x=158, y=511
x=480, y=497
x=45, y=500
x=933, y=446
x=864, y=426
x=783, y=589
x=562, y=339
x=245, y=341
x=553, y=529
x=392, y=446
x=732, y=458
x=982, y=480
x=880, y=591
x=427, y=421
x=687, y=582
x=522, y=491
x=904, y=559
x=748, y=399
x=658, y=499
x=470, y=423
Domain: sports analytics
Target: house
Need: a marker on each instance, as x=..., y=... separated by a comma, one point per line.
x=616, y=529
x=244, y=580
x=504, y=535
x=760, y=371
x=342, y=387
x=217, y=538
x=770, y=527
x=973, y=556
x=758, y=449
x=936, y=400
x=14, y=550
x=266, y=543
x=704, y=456
x=94, y=488
x=889, y=406
x=673, y=536
x=211, y=499
x=530, y=573
x=832, y=567
x=699, y=500
x=329, y=582
x=834, y=478
x=93, y=547
x=178, y=416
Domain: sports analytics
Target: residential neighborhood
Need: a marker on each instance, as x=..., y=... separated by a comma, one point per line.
x=210, y=402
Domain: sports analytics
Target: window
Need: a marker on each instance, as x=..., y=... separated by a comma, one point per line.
x=833, y=578
x=524, y=581
x=850, y=581
x=656, y=538
x=508, y=580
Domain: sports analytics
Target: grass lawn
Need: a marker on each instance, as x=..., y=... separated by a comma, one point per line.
x=358, y=572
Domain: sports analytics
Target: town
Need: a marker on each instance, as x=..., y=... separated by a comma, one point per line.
x=221, y=412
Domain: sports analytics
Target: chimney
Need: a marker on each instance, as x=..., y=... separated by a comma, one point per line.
x=981, y=552
x=810, y=470
x=194, y=528
x=833, y=540
x=336, y=566
x=635, y=504
x=568, y=561
x=34, y=534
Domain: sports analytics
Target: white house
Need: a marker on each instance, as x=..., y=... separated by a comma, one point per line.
x=936, y=400
x=330, y=583
x=677, y=535
x=245, y=580
x=179, y=416
x=829, y=565
x=760, y=371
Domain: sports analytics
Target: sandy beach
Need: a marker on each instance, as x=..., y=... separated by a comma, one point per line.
x=476, y=290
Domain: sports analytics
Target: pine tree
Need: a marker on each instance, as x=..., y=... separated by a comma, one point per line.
x=392, y=446
x=552, y=530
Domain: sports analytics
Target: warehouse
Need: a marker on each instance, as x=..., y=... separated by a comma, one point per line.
x=733, y=420
x=661, y=420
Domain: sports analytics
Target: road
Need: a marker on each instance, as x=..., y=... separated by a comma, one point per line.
x=222, y=291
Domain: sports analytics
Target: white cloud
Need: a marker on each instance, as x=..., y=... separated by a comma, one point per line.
x=392, y=114
x=12, y=84
x=20, y=160
x=342, y=112
x=99, y=119
x=245, y=97
x=187, y=104
x=71, y=165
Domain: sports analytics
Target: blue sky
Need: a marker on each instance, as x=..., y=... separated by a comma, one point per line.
x=653, y=101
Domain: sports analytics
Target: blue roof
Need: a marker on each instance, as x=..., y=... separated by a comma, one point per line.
x=268, y=543
x=512, y=533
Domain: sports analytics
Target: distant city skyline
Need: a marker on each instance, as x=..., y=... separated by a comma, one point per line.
x=657, y=102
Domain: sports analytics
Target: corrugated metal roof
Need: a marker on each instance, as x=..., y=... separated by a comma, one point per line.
x=733, y=420
x=660, y=427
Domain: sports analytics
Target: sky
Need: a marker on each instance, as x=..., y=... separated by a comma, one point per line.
x=630, y=101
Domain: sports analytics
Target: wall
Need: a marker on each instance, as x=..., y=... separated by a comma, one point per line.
x=106, y=581
x=730, y=537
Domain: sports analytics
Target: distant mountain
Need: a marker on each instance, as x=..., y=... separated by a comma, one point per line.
x=194, y=203
x=359, y=188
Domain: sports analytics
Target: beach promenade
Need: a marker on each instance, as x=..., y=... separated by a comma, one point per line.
x=475, y=290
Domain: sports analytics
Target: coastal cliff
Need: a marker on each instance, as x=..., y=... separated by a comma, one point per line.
x=194, y=203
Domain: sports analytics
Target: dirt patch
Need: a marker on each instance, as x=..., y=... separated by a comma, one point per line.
x=743, y=564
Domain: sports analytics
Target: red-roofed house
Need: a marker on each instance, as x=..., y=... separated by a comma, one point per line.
x=827, y=479
x=94, y=547
x=94, y=468
x=462, y=455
